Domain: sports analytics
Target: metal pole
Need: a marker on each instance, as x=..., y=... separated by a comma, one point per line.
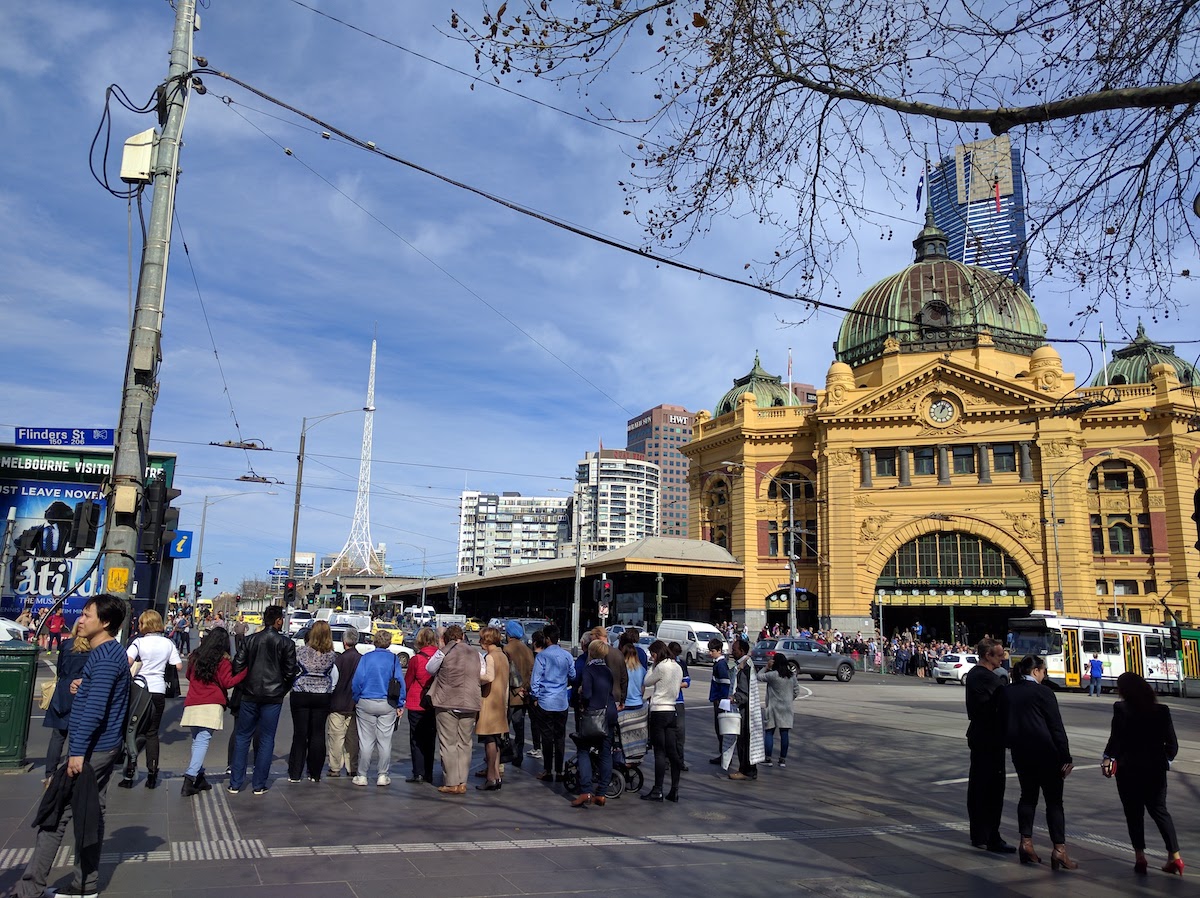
x=296, y=508
x=658, y=599
x=791, y=559
x=6, y=548
x=422, y=578
x=200, y=541
x=575, y=608
x=1058, y=596
x=145, y=338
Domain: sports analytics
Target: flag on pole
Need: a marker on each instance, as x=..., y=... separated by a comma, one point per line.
x=997, y=194
x=790, y=393
x=920, y=187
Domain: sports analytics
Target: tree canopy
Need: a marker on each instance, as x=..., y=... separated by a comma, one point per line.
x=802, y=113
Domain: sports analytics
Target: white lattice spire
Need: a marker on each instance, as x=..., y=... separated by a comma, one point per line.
x=358, y=556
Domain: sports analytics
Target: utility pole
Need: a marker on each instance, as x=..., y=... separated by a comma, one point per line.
x=145, y=338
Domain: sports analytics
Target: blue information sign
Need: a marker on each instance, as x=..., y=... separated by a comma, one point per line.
x=64, y=436
x=181, y=545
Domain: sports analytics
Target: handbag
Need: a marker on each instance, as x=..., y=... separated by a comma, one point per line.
x=171, y=677
x=395, y=687
x=508, y=754
x=593, y=725
x=47, y=694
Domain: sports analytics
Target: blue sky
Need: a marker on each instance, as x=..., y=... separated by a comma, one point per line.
x=296, y=277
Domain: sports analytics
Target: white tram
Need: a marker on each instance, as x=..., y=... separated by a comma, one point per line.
x=1068, y=644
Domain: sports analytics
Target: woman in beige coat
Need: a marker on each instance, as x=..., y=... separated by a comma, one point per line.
x=493, y=713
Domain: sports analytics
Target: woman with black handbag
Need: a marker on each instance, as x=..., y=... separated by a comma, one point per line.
x=597, y=717
x=378, y=691
x=661, y=686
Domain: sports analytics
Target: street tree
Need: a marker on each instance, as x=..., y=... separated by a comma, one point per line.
x=815, y=117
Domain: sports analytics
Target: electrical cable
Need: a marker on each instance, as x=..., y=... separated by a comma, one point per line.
x=439, y=267
x=213, y=340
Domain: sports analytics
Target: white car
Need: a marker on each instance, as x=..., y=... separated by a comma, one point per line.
x=10, y=629
x=298, y=620
x=953, y=667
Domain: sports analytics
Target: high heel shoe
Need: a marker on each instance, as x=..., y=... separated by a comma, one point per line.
x=1025, y=852
x=1060, y=858
x=673, y=795
x=1174, y=866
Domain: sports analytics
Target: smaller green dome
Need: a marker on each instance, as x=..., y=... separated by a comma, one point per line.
x=1132, y=363
x=768, y=390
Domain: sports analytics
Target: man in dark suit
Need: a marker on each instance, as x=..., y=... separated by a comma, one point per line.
x=987, y=708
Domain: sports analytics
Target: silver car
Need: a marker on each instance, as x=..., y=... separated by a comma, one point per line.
x=805, y=656
x=953, y=667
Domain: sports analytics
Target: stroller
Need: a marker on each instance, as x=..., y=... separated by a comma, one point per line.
x=630, y=740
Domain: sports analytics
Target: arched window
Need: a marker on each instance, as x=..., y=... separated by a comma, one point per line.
x=1116, y=475
x=792, y=519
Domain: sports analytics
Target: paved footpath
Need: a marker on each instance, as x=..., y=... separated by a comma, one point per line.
x=871, y=805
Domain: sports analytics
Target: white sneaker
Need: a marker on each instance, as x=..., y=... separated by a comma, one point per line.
x=783, y=764
x=359, y=781
x=383, y=780
x=534, y=753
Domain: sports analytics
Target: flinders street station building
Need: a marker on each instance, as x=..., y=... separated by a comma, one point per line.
x=951, y=471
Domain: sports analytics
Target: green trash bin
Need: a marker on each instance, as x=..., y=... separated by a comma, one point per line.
x=18, y=670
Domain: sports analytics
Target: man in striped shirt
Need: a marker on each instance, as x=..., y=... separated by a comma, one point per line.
x=95, y=732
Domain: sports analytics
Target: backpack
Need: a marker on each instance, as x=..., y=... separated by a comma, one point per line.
x=137, y=723
x=515, y=680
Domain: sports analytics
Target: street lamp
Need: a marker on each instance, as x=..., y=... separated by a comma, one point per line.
x=423, y=555
x=304, y=427
x=204, y=521
x=1058, y=595
x=581, y=477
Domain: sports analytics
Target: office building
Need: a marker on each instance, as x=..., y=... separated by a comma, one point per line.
x=498, y=530
x=657, y=434
x=978, y=199
x=278, y=574
x=619, y=495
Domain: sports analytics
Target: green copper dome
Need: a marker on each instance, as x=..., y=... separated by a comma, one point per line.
x=768, y=389
x=1132, y=364
x=937, y=304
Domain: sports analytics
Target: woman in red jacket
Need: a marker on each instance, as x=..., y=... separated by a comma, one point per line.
x=421, y=730
x=210, y=674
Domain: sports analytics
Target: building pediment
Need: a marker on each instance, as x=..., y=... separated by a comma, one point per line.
x=942, y=389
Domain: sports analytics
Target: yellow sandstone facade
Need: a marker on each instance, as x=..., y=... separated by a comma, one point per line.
x=951, y=472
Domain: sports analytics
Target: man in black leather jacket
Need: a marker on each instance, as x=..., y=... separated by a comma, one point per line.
x=269, y=658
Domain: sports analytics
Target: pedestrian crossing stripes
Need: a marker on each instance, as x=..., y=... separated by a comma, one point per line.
x=237, y=848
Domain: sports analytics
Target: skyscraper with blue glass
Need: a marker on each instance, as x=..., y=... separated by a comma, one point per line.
x=978, y=199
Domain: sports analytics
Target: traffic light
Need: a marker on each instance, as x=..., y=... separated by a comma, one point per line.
x=1176, y=639
x=182, y=591
x=214, y=581
x=606, y=592
x=289, y=592
x=155, y=502
x=85, y=523
x=199, y=579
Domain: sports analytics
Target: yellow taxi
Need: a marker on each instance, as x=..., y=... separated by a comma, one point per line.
x=397, y=635
x=253, y=618
x=473, y=625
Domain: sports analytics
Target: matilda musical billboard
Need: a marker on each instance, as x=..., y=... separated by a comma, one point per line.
x=44, y=486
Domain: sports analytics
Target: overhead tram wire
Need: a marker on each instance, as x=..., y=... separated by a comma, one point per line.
x=439, y=267
x=596, y=123
x=546, y=218
x=383, y=461
x=212, y=340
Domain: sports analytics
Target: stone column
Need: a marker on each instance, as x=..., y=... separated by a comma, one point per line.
x=903, y=466
x=943, y=464
x=983, y=462
x=1026, y=465
x=864, y=462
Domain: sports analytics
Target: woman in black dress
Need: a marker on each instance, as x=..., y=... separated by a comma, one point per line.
x=1140, y=749
x=1041, y=757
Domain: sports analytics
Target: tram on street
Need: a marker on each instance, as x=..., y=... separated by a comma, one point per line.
x=1068, y=644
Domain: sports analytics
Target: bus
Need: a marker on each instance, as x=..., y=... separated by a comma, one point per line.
x=1068, y=643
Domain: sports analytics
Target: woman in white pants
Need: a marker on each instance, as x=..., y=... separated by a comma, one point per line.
x=377, y=714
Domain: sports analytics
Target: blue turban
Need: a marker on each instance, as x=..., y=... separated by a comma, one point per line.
x=514, y=630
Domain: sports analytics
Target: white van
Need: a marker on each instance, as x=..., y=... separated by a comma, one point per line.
x=692, y=636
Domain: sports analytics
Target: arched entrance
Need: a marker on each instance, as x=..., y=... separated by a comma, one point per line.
x=956, y=584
